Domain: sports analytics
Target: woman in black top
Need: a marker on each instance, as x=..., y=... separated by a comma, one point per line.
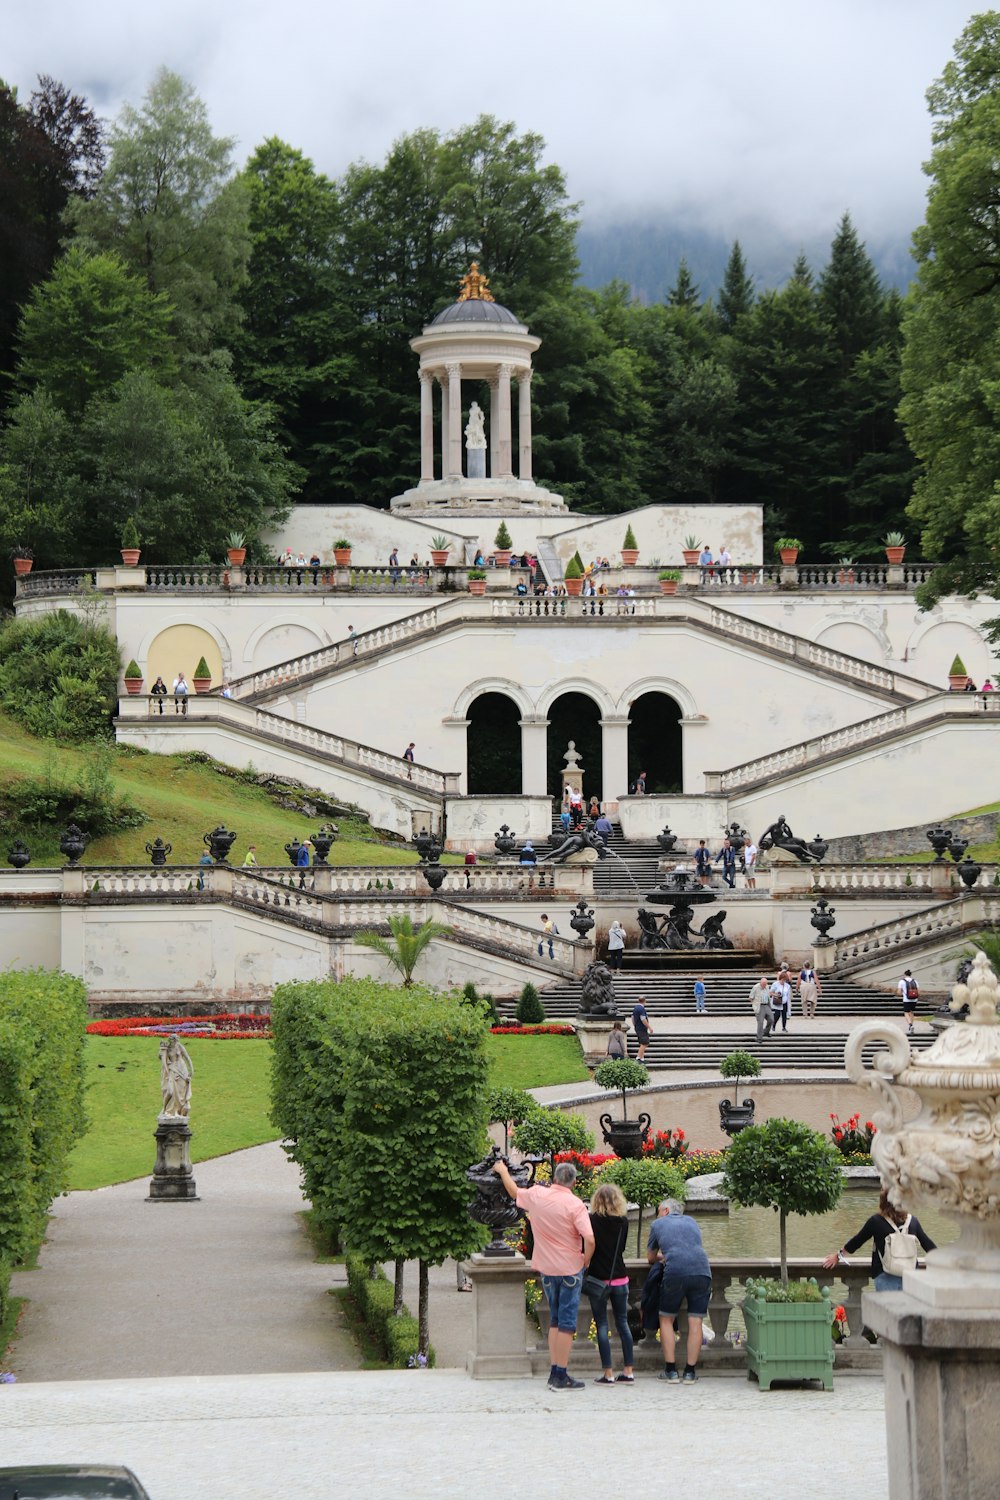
x=159, y=691
x=878, y=1229
x=609, y=1217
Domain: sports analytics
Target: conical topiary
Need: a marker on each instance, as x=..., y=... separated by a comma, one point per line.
x=530, y=1011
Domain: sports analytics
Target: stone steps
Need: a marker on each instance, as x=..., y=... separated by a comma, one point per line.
x=670, y=994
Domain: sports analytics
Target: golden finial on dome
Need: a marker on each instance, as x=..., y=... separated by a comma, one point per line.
x=475, y=287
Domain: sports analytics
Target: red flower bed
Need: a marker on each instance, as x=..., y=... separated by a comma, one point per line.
x=226, y=1026
x=514, y=1029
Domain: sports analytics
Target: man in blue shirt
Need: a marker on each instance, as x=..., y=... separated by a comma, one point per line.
x=699, y=996
x=641, y=1027
x=603, y=827
x=687, y=1277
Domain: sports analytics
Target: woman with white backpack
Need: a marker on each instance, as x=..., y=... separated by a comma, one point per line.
x=897, y=1239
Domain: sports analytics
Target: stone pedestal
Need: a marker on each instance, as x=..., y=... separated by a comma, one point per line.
x=571, y=878
x=173, y=1180
x=824, y=957
x=593, y=1033
x=499, y=1338
x=475, y=463
x=942, y=1397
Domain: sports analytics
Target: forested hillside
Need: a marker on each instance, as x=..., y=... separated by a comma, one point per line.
x=196, y=345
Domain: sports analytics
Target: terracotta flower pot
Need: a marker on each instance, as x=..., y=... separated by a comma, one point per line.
x=894, y=555
x=477, y=585
x=130, y=556
x=342, y=556
x=439, y=559
x=789, y=556
x=573, y=586
x=502, y=557
x=691, y=556
x=22, y=565
x=630, y=556
x=668, y=585
x=133, y=685
x=236, y=556
x=202, y=684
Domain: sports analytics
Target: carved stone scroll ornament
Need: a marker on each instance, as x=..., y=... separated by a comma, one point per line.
x=948, y=1155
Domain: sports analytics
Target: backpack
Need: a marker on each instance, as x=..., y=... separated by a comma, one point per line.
x=912, y=990
x=901, y=1249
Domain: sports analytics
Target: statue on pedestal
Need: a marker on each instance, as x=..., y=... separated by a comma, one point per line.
x=780, y=836
x=176, y=1073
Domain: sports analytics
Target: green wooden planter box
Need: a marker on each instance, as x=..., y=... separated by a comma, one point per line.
x=788, y=1340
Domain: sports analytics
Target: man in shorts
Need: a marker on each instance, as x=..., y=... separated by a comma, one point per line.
x=641, y=1027
x=909, y=992
x=687, y=1277
x=564, y=1243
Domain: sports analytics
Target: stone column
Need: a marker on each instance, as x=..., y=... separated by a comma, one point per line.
x=534, y=746
x=454, y=421
x=494, y=427
x=614, y=748
x=443, y=384
x=426, y=426
x=524, y=424
x=504, y=456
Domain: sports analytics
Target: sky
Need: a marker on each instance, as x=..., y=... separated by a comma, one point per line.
x=725, y=115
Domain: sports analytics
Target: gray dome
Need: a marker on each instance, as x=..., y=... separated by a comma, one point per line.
x=474, y=310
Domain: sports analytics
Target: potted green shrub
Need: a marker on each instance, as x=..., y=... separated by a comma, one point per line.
x=793, y=1169
x=957, y=675
x=691, y=551
x=342, y=552
x=503, y=544
x=133, y=677
x=477, y=580
x=630, y=549
x=440, y=547
x=236, y=549
x=573, y=577
x=669, y=579
x=788, y=549
x=734, y=1115
x=130, y=543
x=22, y=558
x=625, y=1137
x=202, y=678
x=894, y=543
x=845, y=570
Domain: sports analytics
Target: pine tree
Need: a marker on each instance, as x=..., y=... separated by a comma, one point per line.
x=736, y=296
x=684, y=292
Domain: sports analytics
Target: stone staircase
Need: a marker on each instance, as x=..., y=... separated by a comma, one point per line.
x=631, y=864
x=668, y=996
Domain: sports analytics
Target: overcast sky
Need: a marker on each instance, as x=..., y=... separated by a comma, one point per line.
x=721, y=113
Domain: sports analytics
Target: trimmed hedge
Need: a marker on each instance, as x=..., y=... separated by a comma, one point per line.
x=398, y=1337
x=42, y=1018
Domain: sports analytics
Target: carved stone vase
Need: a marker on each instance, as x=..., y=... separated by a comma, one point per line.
x=626, y=1137
x=948, y=1157
x=491, y=1205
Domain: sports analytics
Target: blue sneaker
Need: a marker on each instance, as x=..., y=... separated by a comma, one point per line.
x=669, y=1374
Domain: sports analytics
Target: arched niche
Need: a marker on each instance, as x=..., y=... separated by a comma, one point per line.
x=493, y=746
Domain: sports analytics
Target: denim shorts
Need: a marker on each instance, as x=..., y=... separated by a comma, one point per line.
x=563, y=1293
x=675, y=1289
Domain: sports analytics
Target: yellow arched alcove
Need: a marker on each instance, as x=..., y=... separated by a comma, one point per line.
x=178, y=649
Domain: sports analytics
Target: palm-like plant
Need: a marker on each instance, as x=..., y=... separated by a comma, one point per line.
x=407, y=943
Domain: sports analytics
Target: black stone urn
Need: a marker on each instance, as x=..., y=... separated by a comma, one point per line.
x=491, y=1205
x=582, y=919
x=666, y=839
x=817, y=848
x=969, y=872
x=735, y=1117
x=422, y=842
x=434, y=875
x=957, y=848
x=505, y=842
x=158, y=851
x=940, y=838
x=73, y=843
x=626, y=1137
x=737, y=836
x=823, y=918
x=323, y=841
x=219, y=843
x=19, y=854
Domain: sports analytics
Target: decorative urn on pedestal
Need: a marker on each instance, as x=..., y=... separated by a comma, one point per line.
x=73, y=843
x=823, y=918
x=582, y=919
x=625, y=1137
x=666, y=839
x=505, y=842
x=19, y=854
x=323, y=841
x=219, y=842
x=492, y=1204
x=158, y=851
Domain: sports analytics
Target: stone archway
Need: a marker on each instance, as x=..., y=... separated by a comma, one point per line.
x=493, y=746
x=655, y=742
x=179, y=648
x=575, y=716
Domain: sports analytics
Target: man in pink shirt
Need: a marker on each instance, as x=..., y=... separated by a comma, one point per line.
x=564, y=1243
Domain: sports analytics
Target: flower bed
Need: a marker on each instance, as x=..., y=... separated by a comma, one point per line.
x=850, y=1139
x=515, y=1029
x=225, y=1026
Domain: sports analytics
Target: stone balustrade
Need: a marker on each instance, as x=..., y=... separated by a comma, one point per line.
x=944, y=920
x=500, y=1349
x=933, y=879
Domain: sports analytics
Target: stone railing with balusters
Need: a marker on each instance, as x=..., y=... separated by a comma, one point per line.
x=893, y=879
x=811, y=652
x=287, y=673
x=56, y=581
x=581, y=607
x=946, y=919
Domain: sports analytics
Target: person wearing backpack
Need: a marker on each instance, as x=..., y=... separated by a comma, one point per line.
x=909, y=989
x=896, y=1240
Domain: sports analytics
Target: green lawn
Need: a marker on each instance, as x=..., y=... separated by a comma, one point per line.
x=231, y=1097
x=183, y=801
